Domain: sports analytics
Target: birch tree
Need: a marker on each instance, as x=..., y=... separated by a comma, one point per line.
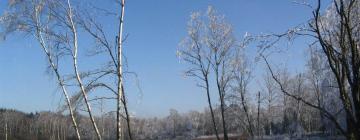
x=34, y=18
x=55, y=25
x=121, y=95
x=73, y=45
x=114, y=53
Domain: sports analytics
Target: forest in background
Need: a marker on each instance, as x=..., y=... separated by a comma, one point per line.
x=322, y=101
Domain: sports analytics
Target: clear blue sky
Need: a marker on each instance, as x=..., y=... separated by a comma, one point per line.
x=155, y=29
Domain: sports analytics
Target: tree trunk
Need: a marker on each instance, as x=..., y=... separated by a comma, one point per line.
x=222, y=104
x=258, y=116
x=60, y=81
x=126, y=113
x=80, y=84
x=119, y=74
x=6, y=129
x=211, y=109
x=223, y=119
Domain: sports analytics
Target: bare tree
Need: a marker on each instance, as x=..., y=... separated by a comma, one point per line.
x=114, y=67
x=271, y=98
x=241, y=74
x=283, y=89
x=121, y=94
x=221, y=42
x=316, y=73
x=73, y=44
x=195, y=52
x=56, y=31
x=31, y=18
x=299, y=91
x=210, y=48
x=119, y=73
x=337, y=32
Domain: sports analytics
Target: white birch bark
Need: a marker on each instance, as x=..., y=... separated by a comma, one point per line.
x=76, y=71
x=119, y=72
x=44, y=47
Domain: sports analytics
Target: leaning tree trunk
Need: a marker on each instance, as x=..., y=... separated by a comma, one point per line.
x=76, y=71
x=59, y=79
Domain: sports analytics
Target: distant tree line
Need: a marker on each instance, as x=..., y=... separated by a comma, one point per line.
x=47, y=126
x=284, y=117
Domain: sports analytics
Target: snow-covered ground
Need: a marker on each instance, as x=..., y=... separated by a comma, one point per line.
x=278, y=137
x=304, y=137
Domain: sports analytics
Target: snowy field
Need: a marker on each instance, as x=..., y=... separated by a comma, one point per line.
x=277, y=137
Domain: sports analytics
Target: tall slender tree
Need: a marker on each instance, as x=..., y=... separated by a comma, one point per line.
x=209, y=48
x=121, y=100
x=34, y=20
x=194, y=51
